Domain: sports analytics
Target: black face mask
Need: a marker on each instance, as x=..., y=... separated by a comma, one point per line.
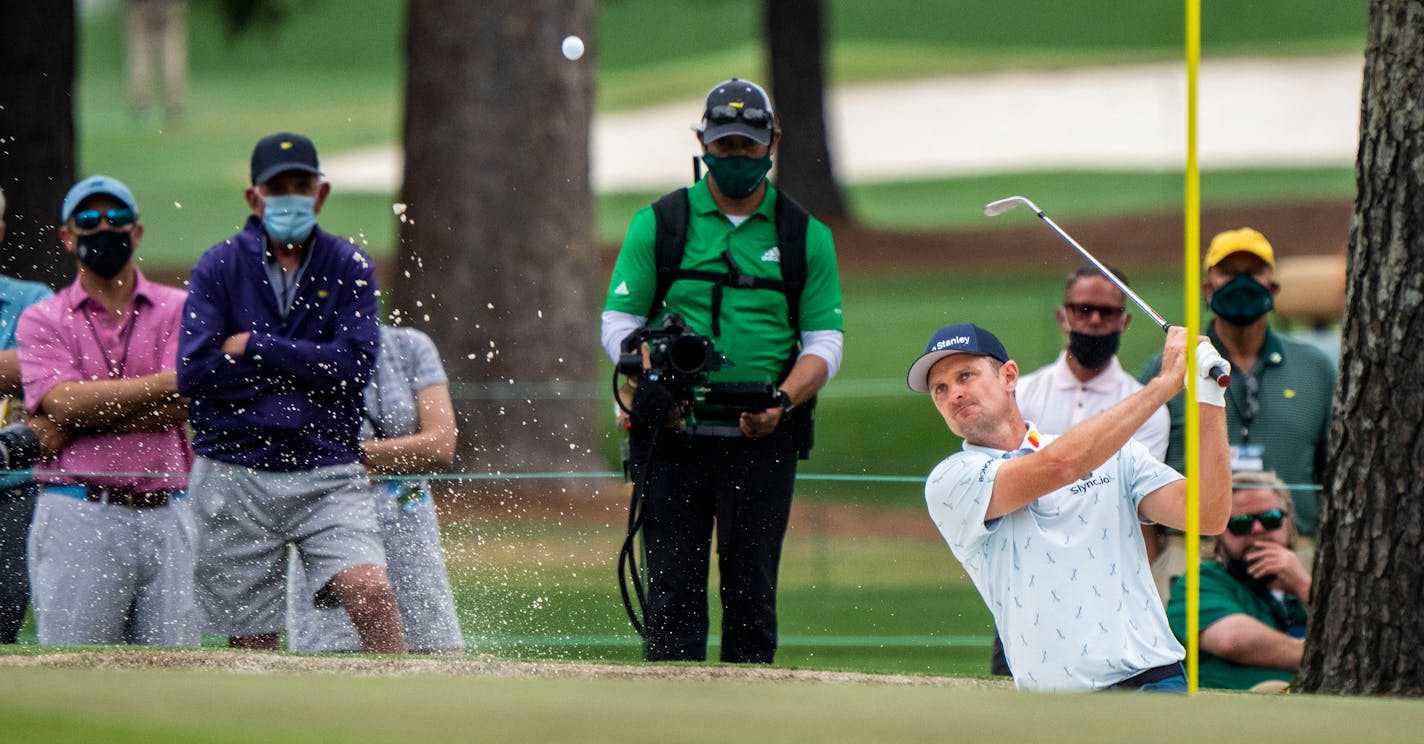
x=106, y=252
x=1092, y=351
x=1242, y=300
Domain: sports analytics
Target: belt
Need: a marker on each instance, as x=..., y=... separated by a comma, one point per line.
x=117, y=496
x=714, y=430
x=1155, y=674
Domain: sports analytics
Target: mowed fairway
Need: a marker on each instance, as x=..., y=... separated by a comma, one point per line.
x=571, y=704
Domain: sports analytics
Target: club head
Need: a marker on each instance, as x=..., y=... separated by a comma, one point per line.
x=996, y=208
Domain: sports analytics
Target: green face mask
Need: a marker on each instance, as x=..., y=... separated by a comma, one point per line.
x=1241, y=301
x=738, y=176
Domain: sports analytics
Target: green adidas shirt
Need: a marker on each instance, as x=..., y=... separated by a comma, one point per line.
x=755, y=333
x=1222, y=595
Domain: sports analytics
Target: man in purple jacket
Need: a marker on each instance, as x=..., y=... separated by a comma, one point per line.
x=279, y=338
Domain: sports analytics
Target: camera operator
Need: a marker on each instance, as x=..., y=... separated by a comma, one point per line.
x=750, y=270
x=20, y=447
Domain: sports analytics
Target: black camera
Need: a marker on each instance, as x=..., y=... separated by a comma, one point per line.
x=681, y=360
x=19, y=447
x=673, y=348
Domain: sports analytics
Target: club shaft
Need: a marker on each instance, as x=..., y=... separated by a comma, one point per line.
x=1107, y=273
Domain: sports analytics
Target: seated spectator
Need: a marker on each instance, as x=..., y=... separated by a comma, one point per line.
x=1253, y=592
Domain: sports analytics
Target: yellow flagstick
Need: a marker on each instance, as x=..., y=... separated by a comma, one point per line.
x=1193, y=314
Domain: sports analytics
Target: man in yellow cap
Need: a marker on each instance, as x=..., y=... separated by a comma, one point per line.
x=1278, y=404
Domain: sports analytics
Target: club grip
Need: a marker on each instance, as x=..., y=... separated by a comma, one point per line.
x=1221, y=373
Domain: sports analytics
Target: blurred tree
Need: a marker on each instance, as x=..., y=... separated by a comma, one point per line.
x=36, y=134
x=795, y=33
x=496, y=258
x=1366, y=625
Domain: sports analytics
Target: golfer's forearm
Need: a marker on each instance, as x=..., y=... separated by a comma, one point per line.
x=1215, y=468
x=1091, y=443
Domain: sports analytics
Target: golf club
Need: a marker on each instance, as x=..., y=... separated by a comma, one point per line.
x=1221, y=373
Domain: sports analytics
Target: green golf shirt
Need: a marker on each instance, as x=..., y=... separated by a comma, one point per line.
x=1296, y=386
x=1222, y=595
x=756, y=335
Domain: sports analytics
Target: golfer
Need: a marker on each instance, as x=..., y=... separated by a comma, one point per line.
x=1047, y=527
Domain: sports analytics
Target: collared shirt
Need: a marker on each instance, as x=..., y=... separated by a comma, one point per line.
x=1283, y=427
x=284, y=283
x=1056, y=400
x=71, y=338
x=1066, y=576
x=756, y=334
x=15, y=296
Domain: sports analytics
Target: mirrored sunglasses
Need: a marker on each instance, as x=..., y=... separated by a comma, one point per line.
x=1240, y=525
x=727, y=114
x=117, y=217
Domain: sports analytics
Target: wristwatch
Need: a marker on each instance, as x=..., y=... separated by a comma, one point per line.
x=784, y=399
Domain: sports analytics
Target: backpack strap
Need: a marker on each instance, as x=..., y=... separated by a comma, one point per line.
x=792, y=221
x=670, y=213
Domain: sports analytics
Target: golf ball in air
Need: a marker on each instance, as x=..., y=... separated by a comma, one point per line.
x=573, y=47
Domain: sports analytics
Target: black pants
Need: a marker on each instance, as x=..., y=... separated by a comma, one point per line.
x=743, y=486
x=17, y=509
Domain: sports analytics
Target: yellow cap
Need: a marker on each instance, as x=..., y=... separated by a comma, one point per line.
x=1244, y=240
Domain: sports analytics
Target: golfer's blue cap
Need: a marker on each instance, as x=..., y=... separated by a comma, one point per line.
x=281, y=152
x=961, y=338
x=96, y=185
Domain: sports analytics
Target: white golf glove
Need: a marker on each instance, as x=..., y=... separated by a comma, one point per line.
x=1208, y=390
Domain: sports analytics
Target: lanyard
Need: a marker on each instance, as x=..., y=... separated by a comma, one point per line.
x=109, y=367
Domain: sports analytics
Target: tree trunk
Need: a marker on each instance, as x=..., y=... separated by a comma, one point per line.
x=1369, y=579
x=795, y=32
x=36, y=135
x=496, y=257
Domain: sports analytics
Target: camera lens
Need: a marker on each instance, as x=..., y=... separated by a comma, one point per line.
x=688, y=354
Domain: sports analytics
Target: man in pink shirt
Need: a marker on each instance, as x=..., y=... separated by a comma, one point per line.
x=111, y=548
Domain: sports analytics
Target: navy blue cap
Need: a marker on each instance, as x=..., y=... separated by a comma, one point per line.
x=96, y=185
x=282, y=152
x=961, y=338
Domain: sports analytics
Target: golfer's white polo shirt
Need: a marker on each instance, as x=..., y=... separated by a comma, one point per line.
x=1065, y=577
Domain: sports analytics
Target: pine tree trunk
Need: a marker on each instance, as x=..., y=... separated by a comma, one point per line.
x=496, y=258
x=36, y=135
x=1366, y=625
x=795, y=32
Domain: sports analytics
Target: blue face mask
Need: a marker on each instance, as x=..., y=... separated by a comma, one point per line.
x=289, y=218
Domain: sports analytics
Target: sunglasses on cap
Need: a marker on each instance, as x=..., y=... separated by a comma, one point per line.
x=1240, y=525
x=1086, y=311
x=724, y=114
x=89, y=219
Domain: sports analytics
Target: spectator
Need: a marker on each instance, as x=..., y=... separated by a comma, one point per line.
x=409, y=427
x=19, y=447
x=1278, y=405
x=1086, y=379
x=1046, y=527
x=748, y=268
x=279, y=338
x=111, y=550
x=158, y=28
x=1253, y=594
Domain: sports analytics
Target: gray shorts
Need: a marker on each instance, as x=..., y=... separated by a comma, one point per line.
x=246, y=520
x=107, y=574
x=416, y=567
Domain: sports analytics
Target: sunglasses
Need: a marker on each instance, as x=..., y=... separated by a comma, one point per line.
x=1086, y=311
x=1240, y=525
x=89, y=219
x=725, y=114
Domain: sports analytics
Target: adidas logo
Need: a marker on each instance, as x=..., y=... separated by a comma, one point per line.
x=772, y=255
x=621, y=289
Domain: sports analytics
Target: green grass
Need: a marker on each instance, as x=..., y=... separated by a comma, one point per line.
x=58, y=706
x=334, y=71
